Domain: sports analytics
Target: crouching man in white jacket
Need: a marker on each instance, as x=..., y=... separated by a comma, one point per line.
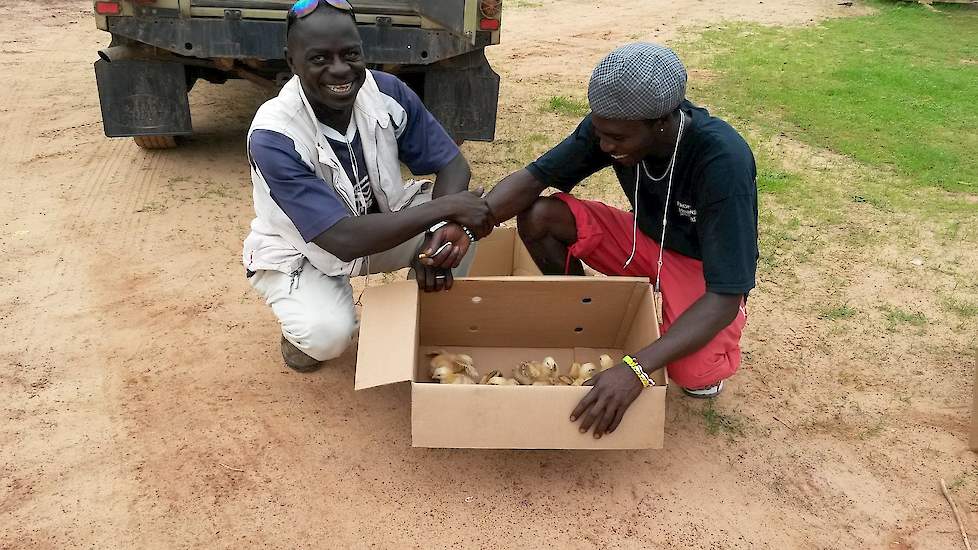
x=329, y=200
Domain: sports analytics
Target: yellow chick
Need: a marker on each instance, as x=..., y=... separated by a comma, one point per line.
x=605, y=362
x=495, y=378
x=492, y=374
x=532, y=373
x=445, y=375
x=453, y=362
x=550, y=364
x=564, y=380
x=582, y=373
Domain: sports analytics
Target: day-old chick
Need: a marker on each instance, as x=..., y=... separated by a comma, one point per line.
x=553, y=370
x=445, y=375
x=605, y=362
x=582, y=373
x=453, y=362
x=532, y=373
x=564, y=380
x=495, y=378
x=575, y=372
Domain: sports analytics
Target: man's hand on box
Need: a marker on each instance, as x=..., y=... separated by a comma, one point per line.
x=604, y=406
x=450, y=256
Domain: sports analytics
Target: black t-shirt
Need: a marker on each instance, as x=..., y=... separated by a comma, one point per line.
x=713, y=212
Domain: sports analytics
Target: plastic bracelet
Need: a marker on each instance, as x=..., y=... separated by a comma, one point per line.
x=639, y=371
x=469, y=233
x=437, y=226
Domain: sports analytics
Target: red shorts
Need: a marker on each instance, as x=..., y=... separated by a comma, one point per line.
x=604, y=241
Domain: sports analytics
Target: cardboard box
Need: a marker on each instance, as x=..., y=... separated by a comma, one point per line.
x=502, y=254
x=501, y=318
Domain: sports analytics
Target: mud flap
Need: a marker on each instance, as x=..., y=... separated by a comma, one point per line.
x=463, y=93
x=143, y=98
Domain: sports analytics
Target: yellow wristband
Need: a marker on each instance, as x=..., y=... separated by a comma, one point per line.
x=639, y=371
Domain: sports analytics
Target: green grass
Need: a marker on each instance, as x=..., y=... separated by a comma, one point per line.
x=838, y=312
x=567, y=106
x=961, y=308
x=896, y=317
x=894, y=90
x=872, y=431
x=718, y=422
x=962, y=479
x=775, y=181
x=951, y=230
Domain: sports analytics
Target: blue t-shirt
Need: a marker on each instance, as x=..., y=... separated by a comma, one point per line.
x=349, y=152
x=311, y=203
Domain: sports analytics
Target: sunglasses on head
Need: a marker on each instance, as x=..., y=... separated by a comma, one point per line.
x=303, y=8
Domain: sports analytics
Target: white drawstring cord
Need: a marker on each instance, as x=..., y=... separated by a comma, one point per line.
x=360, y=200
x=638, y=175
x=665, y=211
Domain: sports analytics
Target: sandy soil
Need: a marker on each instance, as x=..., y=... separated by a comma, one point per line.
x=143, y=403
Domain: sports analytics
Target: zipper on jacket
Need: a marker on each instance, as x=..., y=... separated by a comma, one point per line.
x=294, y=279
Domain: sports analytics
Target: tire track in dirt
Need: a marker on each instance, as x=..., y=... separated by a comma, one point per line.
x=103, y=168
x=11, y=120
x=134, y=180
x=138, y=222
x=84, y=200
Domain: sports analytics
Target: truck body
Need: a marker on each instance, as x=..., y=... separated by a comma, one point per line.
x=160, y=48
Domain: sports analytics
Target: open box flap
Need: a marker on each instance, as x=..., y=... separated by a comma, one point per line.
x=501, y=254
x=494, y=254
x=523, y=264
x=388, y=335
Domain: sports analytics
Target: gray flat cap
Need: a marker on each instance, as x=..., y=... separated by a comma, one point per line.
x=639, y=81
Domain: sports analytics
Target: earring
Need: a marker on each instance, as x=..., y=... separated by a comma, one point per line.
x=662, y=129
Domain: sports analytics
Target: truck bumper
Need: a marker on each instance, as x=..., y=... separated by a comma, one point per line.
x=209, y=38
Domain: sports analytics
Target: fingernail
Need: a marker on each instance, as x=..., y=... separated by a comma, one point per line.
x=583, y=431
x=597, y=436
x=573, y=418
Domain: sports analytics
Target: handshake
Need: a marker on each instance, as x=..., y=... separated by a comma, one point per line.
x=468, y=218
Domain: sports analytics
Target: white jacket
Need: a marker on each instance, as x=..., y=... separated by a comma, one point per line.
x=274, y=242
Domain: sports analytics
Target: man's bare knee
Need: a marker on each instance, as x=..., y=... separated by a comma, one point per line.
x=547, y=216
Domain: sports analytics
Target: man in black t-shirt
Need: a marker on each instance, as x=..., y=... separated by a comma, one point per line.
x=690, y=179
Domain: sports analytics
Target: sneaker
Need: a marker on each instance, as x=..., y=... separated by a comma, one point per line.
x=296, y=360
x=708, y=392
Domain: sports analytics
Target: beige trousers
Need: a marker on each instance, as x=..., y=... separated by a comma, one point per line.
x=316, y=311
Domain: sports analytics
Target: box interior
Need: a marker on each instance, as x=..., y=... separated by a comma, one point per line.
x=502, y=322
x=502, y=253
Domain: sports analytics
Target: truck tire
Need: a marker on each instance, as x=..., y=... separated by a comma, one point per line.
x=155, y=142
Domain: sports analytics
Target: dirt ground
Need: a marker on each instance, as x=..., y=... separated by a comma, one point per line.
x=143, y=403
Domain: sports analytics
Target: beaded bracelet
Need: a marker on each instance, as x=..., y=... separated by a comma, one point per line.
x=639, y=371
x=469, y=233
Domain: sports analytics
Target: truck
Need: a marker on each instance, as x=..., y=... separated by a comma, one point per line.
x=160, y=48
